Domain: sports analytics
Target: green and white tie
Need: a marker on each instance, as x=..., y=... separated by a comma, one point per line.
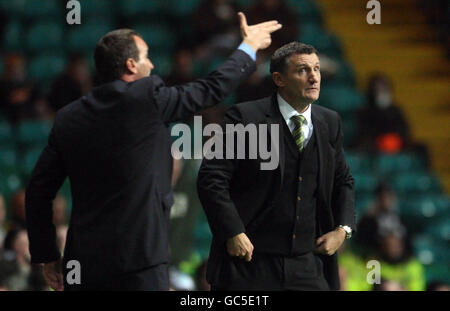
x=297, y=132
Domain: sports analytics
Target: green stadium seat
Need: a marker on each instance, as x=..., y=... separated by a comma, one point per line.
x=14, y=8
x=163, y=64
x=159, y=37
x=359, y=162
x=183, y=8
x=33, y=134
x=44, y=9
x=44, y=36
x=306, y=10
x=97, y=8
x=402, y=162
x=362, y=203
x=413, y=183
x=440, y=228
x=344, y=74
x=13, y=36
x=46, y=67
x=6, y=134
x=245, y=3
x=324, y=42
x=140, y=7
x=365, y=183
x=83, y=38
x=8, y=160
x=341, y=98
x=429, y=251
x=10, y=184
x=29, y=161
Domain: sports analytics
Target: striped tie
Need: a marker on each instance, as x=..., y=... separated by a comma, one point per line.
x=298, y=133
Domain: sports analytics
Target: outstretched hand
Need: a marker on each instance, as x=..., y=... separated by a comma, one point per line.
x=257, y=36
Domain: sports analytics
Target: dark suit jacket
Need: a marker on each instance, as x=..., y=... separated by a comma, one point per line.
x=237, y=196
x=114, y=145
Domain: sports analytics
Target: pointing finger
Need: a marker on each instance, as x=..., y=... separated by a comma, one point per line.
x=243, y=22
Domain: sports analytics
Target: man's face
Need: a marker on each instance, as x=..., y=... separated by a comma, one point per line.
x=144, y=65
x=301, y=81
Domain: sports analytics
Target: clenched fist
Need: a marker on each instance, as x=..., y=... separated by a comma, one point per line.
x=240, y=246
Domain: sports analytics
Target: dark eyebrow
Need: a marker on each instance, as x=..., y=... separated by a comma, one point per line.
x=304, y=64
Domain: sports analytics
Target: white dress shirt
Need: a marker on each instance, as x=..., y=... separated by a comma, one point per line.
x=287, y=111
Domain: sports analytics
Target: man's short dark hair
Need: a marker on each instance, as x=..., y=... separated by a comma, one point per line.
x=279, y=59
x=112, y=51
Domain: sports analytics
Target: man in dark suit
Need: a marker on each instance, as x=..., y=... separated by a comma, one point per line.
x=280, y=229
x=114, y=146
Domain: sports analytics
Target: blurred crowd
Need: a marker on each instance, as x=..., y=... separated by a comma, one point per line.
x=382, y=128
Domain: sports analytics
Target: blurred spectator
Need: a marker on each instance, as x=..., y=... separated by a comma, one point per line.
x=382, y=124
x=18, y=210
x=201, y=284
x=388, y=285
x=438, y=286
x=16, y=241
x=182, y=69
x=215, y=27
x=379, y=221
x=267, y=10
x=17, y=94
x=72, y=84
x=59, y=211
x=398, y=265
x=2, y=220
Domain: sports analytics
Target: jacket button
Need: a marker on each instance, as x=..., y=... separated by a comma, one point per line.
x=298, y=198
x=293, y=236
x=300, y=178
x=298, y=217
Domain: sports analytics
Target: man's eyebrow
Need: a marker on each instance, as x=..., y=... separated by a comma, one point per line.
x=305, y=64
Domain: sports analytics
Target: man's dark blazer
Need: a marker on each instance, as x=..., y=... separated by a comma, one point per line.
x=114, y=145
x=237, y=196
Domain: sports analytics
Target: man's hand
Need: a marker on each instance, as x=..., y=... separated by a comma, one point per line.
x=240, y=246
x=53, y=275
x=257, y=36
x=330, y=242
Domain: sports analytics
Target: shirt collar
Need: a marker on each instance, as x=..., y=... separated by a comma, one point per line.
x=287, y=111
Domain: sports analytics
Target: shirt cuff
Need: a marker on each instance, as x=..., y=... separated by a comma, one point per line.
x=247, y=49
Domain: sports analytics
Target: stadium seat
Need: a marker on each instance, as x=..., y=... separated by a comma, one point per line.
x=8, y=160
x=402, y=162
x=359, y=162
x=162, y=63
x=345, y=74
x=9, y=184
x=29, y=161
x=306, y=11
x=44, y=9
x=159, y=37
x=6, y=135
x=15, y=8
x=45, y=67
x=33, y=133
x=13, y=36
x=140, y=7
x=183, y=8
x=341, y=98
x=97, y=8
x=430, y=251
x=324, y=42
x=415, y=183
x=439, y=229
x=365, y=183
x=44, y=36
x=83, y=38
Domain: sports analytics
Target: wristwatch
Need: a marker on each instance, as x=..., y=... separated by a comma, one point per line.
x=348, y=231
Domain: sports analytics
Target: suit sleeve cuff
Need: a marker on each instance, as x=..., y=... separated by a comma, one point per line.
x=247, y=49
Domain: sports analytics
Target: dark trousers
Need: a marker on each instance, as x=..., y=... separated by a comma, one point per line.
x=155, y=278
x=273, y=273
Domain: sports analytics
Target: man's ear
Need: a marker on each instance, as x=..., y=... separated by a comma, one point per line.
x=131, y=66
x=278, y=79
